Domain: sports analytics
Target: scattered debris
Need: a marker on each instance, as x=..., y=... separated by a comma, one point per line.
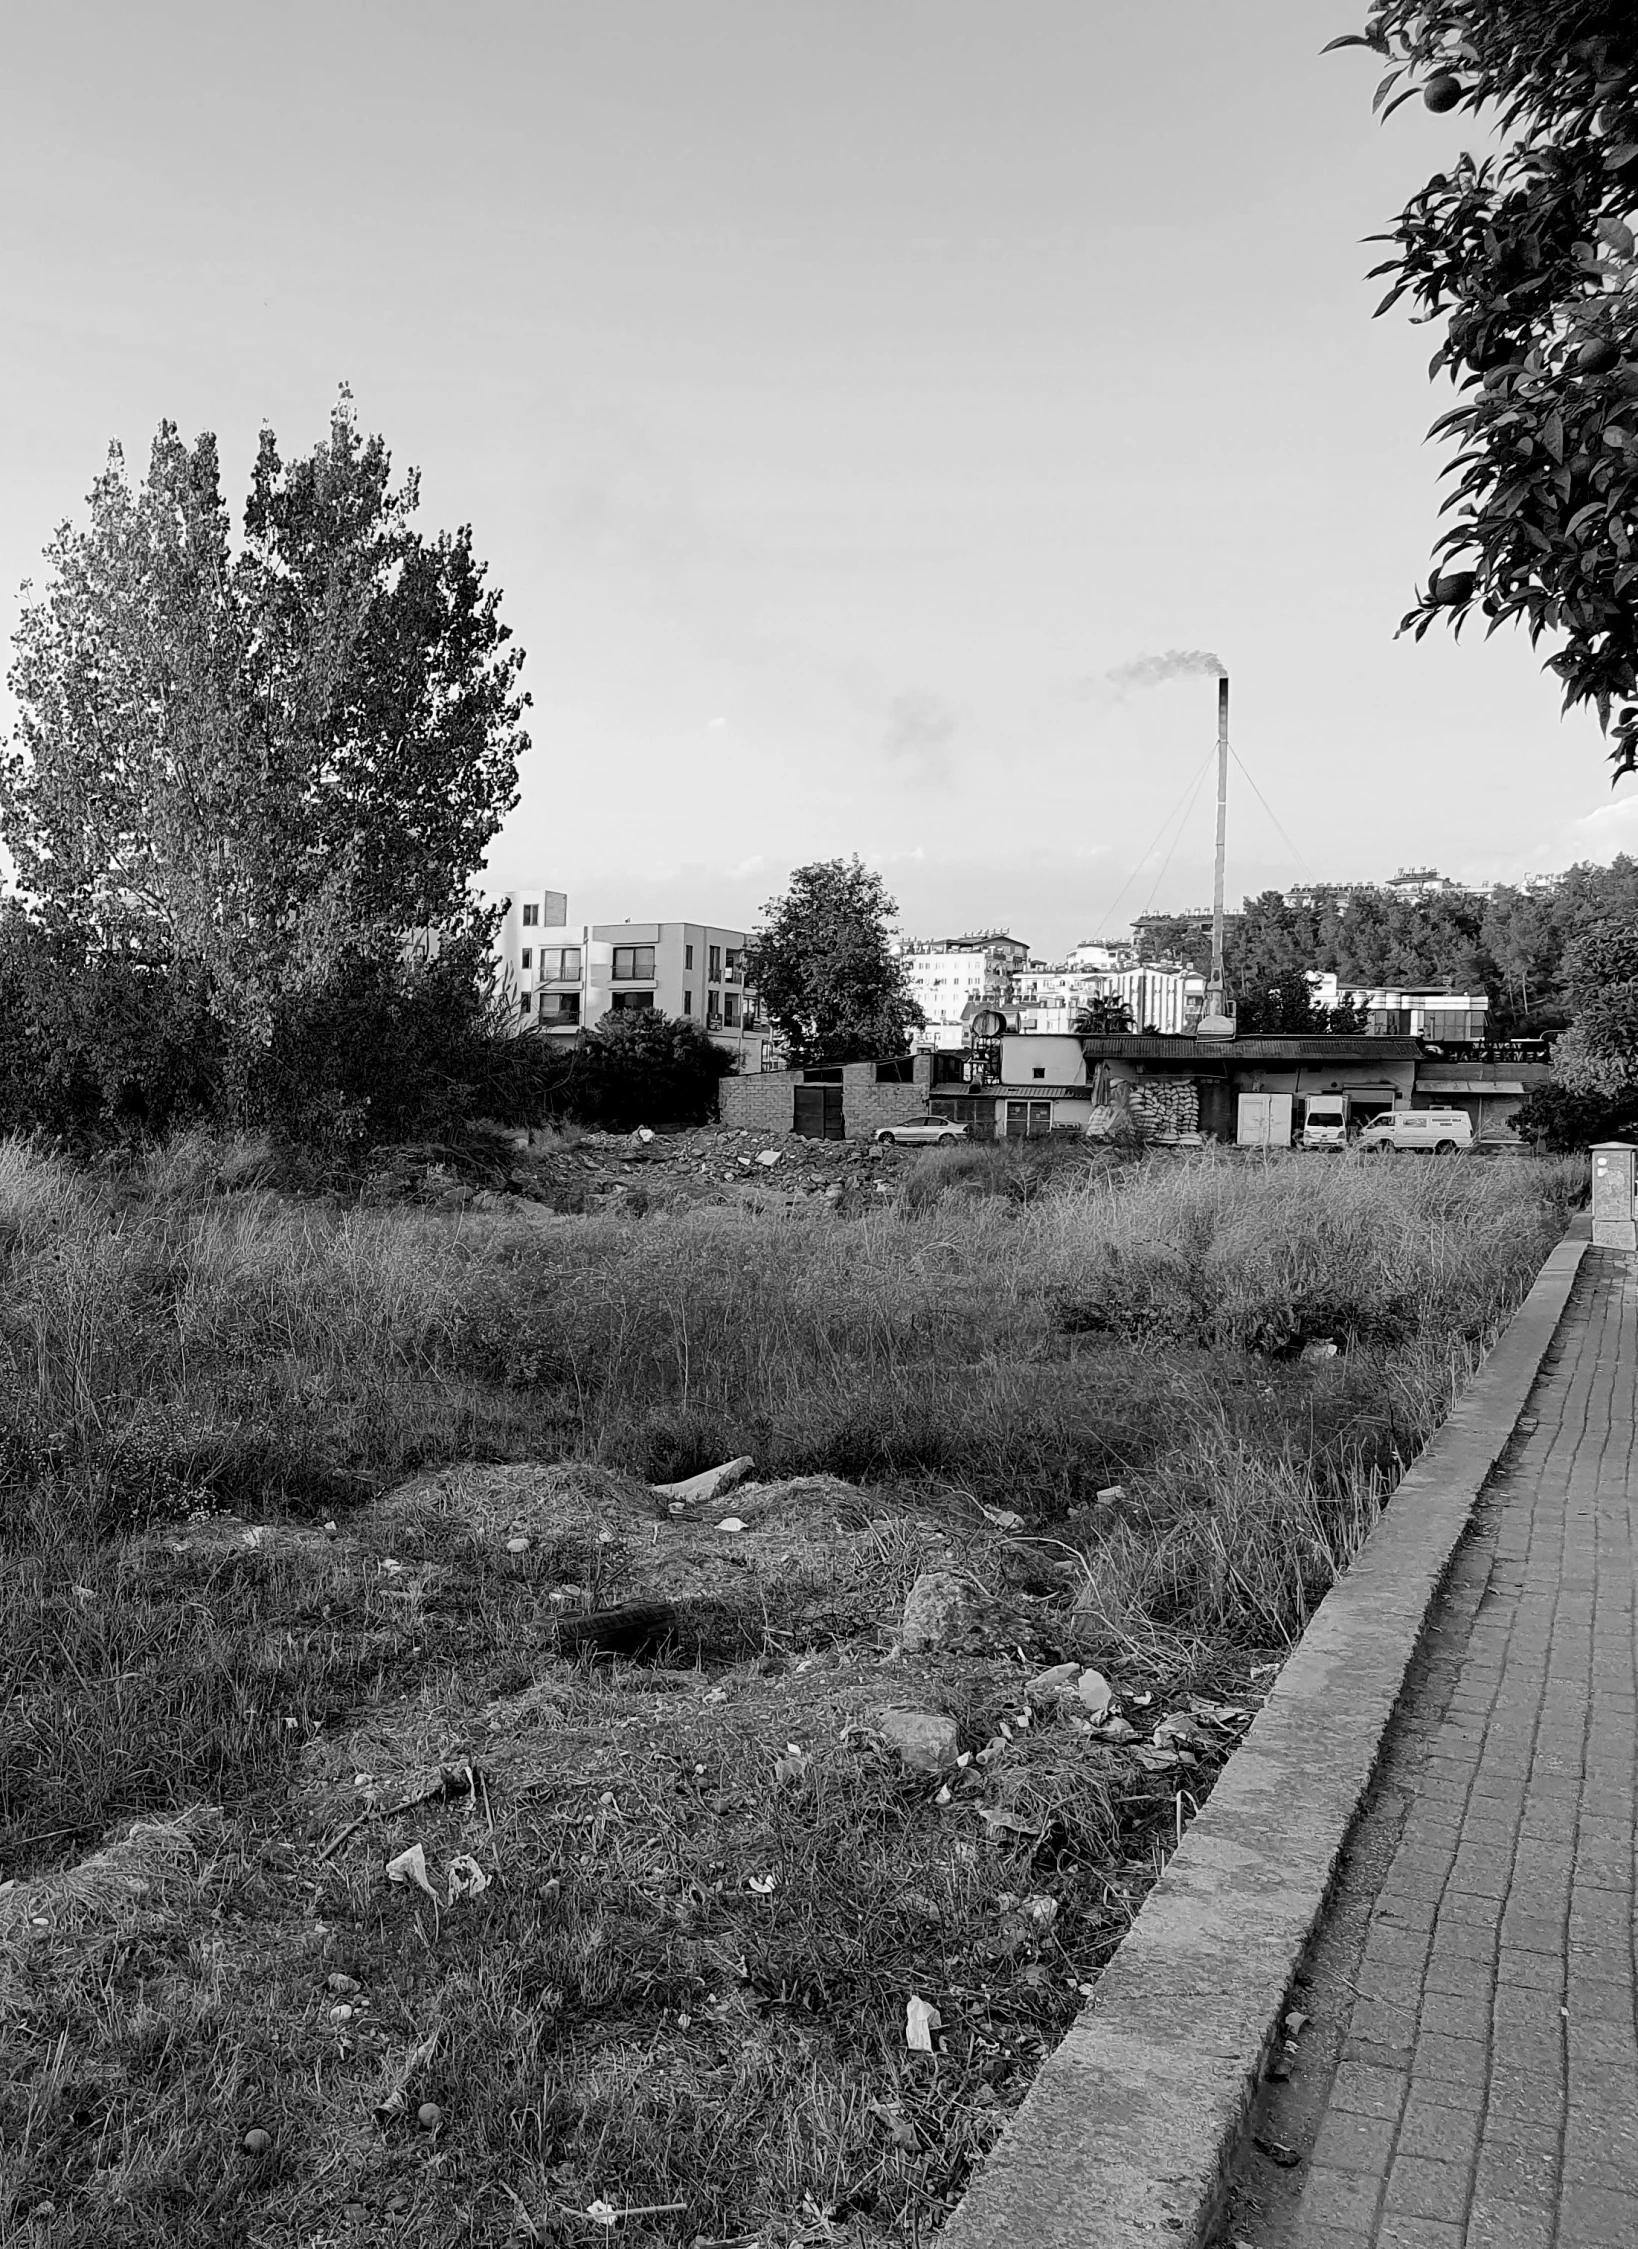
x=1277, y=2152
x=467, y=1878
x=411, y=1866
x=1321, y=1348
x=256, y=2141
x=768, y=1158
x=429, y=2116
x=921, y=2021
x=396, y=2102
x=1180, y=1731
x=1004, y=1518
x=1057, y=1679
x=731, y=1523
x=519, y=1545
x=1095, y=1692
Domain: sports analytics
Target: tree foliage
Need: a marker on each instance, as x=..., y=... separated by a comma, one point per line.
x=821, y=963
x=1528, y=255
x=258, y=760
x=244, y=773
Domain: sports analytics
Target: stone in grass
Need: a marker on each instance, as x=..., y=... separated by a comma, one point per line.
x=938, y=1609
x=925, y=1740
x=709, y=1485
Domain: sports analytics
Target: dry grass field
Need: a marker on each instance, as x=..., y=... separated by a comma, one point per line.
x=295, y=1494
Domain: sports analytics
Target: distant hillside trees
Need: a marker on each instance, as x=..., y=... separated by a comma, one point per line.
x=822, y=964
x=1510, y=944
x=244, y=770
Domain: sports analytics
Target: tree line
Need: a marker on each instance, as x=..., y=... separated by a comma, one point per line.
x=1512, y=944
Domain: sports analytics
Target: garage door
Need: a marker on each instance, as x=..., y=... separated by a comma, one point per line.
x=819, y=1112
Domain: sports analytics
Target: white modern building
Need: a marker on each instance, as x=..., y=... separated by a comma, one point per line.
x=562, y=976
x=951, y=978
x=1410, y=1011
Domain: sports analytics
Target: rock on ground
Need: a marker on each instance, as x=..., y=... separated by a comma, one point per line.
x=925, y=1740
x=939, y=1607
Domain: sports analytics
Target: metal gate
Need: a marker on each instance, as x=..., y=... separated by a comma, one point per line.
x=819, y=1112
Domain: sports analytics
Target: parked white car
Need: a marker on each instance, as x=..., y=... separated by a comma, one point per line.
x=916, y=1129
x=1439, y=1131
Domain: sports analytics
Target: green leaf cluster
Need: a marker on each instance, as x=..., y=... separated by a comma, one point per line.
x=1527, y=255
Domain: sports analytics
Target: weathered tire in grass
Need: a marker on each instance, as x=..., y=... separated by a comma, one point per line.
x=1444, y=1147
x=948, y=1139
x=888, y=1139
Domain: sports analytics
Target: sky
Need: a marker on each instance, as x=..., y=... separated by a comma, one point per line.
x=839, y=392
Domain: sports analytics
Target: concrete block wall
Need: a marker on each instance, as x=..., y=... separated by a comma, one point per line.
x=761, y=1102
x=866, y=1106
x=766, y=1101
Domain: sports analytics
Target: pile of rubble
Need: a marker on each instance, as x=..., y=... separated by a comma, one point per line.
x=594, y=1171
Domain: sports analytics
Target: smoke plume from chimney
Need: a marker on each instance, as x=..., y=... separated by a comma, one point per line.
x=1176, y=663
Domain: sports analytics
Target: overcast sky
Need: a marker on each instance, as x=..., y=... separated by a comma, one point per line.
x=838, y=391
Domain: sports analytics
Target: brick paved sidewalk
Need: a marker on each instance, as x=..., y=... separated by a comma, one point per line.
x=1485, y=2089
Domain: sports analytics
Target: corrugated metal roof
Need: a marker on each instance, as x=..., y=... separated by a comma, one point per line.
x=1470, y=1085
x=1181, y=1047
x=998, y=1092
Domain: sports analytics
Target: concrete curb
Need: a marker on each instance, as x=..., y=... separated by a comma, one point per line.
x=1126, y=2136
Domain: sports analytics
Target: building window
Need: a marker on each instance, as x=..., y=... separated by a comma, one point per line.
x=526, y=957
x=713, y=967
x=688, y=1001
x=622, y=1002
x=523, y=1003
x=730, y=1010
x=559, y=963
x=713, y=1007
x=531, y=917
x=1037, y=1073
x=632, y=963
x=562, y=1007
x=688, y=956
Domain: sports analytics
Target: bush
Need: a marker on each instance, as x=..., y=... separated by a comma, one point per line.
x=1557, y=1121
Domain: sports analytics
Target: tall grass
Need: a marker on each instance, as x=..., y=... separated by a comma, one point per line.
x=626, y=2016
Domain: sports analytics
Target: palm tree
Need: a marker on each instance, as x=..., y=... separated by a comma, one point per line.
x=1103, y=1016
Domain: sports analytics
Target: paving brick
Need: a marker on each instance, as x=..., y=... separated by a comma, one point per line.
x=1340, y=2199
x=1350, y=2142
x=1441, y=2127
x=1518, y=2163
x=1423, y=2186
x=1598, y=2218
x=1492, y=2225
x=1488, y=2095
x=1369, y=2090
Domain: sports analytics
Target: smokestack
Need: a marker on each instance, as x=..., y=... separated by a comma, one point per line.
x=1217, y=1016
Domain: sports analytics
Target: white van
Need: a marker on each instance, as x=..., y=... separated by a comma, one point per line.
x=1442, y=1131
x=1324, y=1122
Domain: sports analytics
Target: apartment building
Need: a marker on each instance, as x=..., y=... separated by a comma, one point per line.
x=952, y=978
x=564, y=975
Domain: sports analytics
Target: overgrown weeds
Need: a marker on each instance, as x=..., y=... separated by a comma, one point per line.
x=630, y=2013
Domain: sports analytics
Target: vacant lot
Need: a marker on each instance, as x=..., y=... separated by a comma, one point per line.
x=296, y=1495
